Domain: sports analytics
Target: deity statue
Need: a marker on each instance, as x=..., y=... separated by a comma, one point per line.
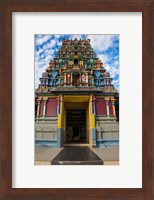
x=69, y=132
x=83, y=79
x=77, y=82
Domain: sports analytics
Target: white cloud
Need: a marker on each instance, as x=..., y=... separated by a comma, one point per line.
x=52, y=43
x=59, y=44
x=48, y=58
x=116, y=84
x=107, y=67
x=101, y=42
x=41, y=40
x=104, y=58
x=37, y=53
x=40, y=67
x=56, y=36
x=48, y=52
x=49, y=45
x=113, y=69
x=38, y=36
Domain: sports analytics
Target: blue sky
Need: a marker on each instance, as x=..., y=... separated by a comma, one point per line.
x=105, y=46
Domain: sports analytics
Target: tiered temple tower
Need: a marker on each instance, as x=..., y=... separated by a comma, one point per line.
x=75, y=100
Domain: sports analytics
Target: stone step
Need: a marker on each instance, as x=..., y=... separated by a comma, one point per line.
x=76, y=156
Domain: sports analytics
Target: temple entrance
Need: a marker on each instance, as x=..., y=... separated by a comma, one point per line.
x=76, y=126
x=76, y=121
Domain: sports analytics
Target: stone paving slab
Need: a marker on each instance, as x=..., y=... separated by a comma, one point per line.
x=108, y=154
x=46, y=153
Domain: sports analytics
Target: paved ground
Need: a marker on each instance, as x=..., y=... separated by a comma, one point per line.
x=110, y=155
x=44, y=155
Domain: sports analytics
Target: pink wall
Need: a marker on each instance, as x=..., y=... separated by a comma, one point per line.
x=51, y=109
x=100, y=106
x=110, y=108
x=41, y=107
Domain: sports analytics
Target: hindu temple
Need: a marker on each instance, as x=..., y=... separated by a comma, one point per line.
x=75, y=100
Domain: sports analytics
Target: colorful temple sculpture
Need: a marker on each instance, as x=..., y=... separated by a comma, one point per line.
x=75, y=101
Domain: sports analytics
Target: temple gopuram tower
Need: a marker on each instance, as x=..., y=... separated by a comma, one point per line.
x=75, y=101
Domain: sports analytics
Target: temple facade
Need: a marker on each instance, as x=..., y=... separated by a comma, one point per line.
x=75, y=101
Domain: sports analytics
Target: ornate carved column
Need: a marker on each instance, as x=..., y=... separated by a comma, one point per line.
x=107, y=107
x=44, y=107
x=38, y=107
x=60, y=104
x=86, y=79
x=64, y=78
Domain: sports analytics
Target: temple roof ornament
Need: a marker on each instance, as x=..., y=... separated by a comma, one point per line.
x=76, y=64
x=107, y=74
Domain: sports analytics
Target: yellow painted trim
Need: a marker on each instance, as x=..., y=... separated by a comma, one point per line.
x=49, y=97
x=59, y=120
x=92, y=121
x=45, y=98
x=73, y=98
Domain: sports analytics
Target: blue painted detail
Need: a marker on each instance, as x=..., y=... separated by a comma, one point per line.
x=54, y=73
x=90, y=81
x=46, y=143
x=58, y=137
x=61, y=81
x=53, y=82
x=105, y=142
x=94, y=107
x=50, y=142
x=98, y=82
x=94, y=136
x=97, y=74
x=94, y=133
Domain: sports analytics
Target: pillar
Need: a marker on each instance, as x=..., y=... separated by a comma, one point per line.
x=58, y=105
x=38, y=107
x=113, y=107
x=86, y=79
x=44, y=108
x=64, y=78
x=107, y=108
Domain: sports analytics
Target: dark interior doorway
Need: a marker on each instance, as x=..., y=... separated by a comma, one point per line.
x=76, y=126
x=76, y=61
